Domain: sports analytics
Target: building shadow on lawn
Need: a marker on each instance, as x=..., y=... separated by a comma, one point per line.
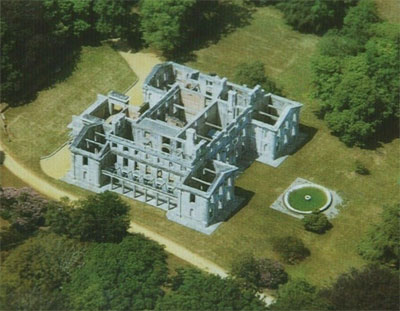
x=307, y=133
x=244, y=196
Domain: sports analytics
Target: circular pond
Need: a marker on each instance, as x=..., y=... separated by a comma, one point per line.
x=305, y=199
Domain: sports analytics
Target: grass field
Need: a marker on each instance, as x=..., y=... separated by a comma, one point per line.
x=389, y=10
x=323, y=160
x=38, y=128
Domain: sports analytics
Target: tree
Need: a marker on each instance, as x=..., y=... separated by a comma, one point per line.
x=357, y=76
x=33, y=274
x=162, y=23
x=2, y=157
x=34, y=32
x=32, y=36
x=381, y=243
x=252, y=74
x=113, y=18
x=316, y=222
x=360, y=168
x=359, y=20
x=100, y=218
x=194, y=290
x=73, y=18
x=259, y=273
x=315, y=16
x=291, y=249
x=373, y=288
x=59, y=217
x=123, y=276
x=23, y=208
x=298, y=294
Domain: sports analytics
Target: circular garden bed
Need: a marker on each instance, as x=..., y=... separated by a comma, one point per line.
x=306, y=198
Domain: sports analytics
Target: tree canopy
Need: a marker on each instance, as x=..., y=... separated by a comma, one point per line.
x=356, y=75
x=259, y=272
x=253, y=74
x=194, y=290
x=163, y=23
x=372, y=288
x=100, y=218
x=41, y=39
x=298, y=294
x=33, y=274
x=315, y=16
x=119, y=276
x=381, y=243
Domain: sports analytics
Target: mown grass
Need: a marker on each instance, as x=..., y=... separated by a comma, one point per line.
x=323, y=160
x=38, y=128
x=389, y=10
x=298, y=201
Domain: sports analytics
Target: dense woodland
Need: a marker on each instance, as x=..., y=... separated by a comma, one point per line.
x=80, y=256
x=356, y=69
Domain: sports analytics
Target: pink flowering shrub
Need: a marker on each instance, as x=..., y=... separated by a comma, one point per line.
x=23, y=208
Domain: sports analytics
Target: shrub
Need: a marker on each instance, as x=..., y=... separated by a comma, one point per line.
x=291, y=249
x=23, y=208
x=2, y=157
x=298, y=294
x=361, y=168
x=272, y=273
x=259, y=273
x=252, y=74
x=316, y=222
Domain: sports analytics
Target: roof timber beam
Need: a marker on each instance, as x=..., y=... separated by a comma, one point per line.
x=268, y=115
x=201, y=181
x=214, y=125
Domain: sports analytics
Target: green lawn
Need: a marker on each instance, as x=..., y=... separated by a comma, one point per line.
x=39, y=127
x=297, y=199
x=324, y=160
x=389, y=10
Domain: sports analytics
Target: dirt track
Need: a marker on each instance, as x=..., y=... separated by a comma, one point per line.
x=141, y=64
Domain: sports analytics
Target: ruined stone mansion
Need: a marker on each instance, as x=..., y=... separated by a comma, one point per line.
x=182, y=149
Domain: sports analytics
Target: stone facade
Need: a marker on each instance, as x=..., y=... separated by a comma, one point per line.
x=180, y=150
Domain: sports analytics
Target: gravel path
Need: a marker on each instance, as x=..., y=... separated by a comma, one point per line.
x=141, y=63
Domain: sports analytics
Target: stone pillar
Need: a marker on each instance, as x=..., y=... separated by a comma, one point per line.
x=73, y=165
x=190, y=141
x=232, y=95
x=271, y=141
x=204, y=216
